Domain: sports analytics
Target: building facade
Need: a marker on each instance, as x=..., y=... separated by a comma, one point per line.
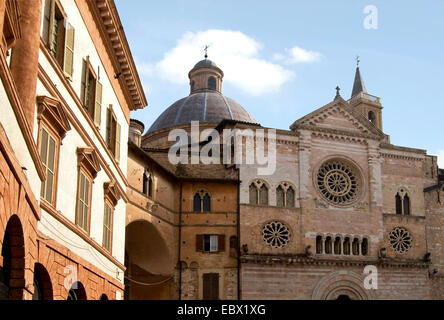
x=342, y=201
x=68, y=85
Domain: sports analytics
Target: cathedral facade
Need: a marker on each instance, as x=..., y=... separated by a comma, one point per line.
x=345, y=214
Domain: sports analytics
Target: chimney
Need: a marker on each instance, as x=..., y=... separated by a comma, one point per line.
x=136, y=129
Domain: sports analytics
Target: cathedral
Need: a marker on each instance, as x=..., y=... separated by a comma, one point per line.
x=345, y=215
x=95, y=207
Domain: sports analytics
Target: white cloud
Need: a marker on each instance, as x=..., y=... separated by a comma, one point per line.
x=441, y=159
x=298, y=55
x=234, y=52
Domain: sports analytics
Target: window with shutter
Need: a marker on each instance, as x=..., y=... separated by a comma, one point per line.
x=48, y=149
x=107, y=227
x=117, y=148
x=68, y=59
x=98, y=104
x=54, y=32
x=83, y=202
x=199, y=242
x=221, y=242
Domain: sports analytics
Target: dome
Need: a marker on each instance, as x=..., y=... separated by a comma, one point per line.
x=205, y=106
x=205, y=63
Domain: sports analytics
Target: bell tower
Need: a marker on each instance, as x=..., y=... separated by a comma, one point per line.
x=369, y=105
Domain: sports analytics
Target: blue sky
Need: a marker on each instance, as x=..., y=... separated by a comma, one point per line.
x=254, y=43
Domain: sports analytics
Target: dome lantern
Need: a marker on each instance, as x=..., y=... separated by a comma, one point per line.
x=205, y=75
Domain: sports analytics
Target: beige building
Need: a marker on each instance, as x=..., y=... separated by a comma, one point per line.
x=342, y=198
x=68, y=85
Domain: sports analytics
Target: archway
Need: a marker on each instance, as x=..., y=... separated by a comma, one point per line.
x=77, y=292
x=12, y=271
x=149, y=266
x=42, y=284
x=341, y=285
x=103, y=297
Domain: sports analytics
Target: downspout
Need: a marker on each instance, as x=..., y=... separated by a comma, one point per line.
x=180, y=241
x=238, y=236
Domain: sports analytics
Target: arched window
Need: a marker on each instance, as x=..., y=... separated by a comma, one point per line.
x=355, y=246
x=328, y=243
x=346, y=246
x=193, y=84
x=253, y=194
x=212, y=83
x=402, y=201
x=319, y=244
x=280, y=198
x=364, y=247
x=406, y=205
x=147, y=183
x=289, y=203
x=285, y=195
x=398, y=204
x=337, y=245
x=233, y=246
x=372, y=117
x=202, y=201
x=263, y=195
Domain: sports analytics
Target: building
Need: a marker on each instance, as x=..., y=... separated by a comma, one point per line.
x=68, y=85
x=342, y=198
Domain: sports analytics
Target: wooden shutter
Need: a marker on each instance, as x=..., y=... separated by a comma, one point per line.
x=68, y=58
x=46, y=21
x=108, y=127
x=117, y=155
x=210, y=286
x=199, y=242
x=98, y=104
x=221, y=243
x=206, y=286
x=52, y=23
x=85, y=83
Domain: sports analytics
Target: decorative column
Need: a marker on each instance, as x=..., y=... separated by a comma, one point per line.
x=25, y=55
x=374, y=166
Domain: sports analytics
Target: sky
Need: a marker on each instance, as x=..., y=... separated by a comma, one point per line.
x=283, y=59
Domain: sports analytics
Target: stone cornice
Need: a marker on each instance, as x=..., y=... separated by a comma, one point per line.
x=304, y=260
x=110, y=26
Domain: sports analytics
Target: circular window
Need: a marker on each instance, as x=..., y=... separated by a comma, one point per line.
x=339, y=182
x=276, y=234
x=400, y=240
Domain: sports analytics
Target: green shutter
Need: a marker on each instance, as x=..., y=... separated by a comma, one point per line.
x=98, y=104
x=68, y=59
x=108, y=127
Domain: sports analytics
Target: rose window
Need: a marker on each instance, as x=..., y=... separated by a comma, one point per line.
x=276, y=234
x=338, y=182
x=400, y=240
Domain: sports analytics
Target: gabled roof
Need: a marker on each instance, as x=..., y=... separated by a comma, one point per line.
x=358, y=85
x=354, y=122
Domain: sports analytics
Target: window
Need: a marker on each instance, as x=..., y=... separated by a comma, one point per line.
x=107, y=227
x=233, y=246
x=319, y=244
x=364, y=247
x=113, y=131
x=83, y=202
x=402, y=202
x=337, y=245
x=202, y=201
x=210, y=286
x=328, y=243
x=210, y=243
x=212, y=83
x=147, y=183
x=372, y=117
x=285, y=195
x=355, y=246
x=58, y=35
x=48, y=154
x=91, y=92
x=193, y=84
x=89, y=166
x=258, y=193
x=346, y=246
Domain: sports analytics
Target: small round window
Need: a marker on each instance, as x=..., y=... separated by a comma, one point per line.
x=276, y=234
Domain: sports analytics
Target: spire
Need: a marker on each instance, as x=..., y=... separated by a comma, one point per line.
x=358, y=85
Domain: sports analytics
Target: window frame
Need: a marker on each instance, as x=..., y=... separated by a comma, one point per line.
x=108, y=203
x=90, y=179
x=51, y=134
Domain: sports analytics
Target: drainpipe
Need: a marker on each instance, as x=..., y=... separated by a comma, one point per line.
x=179, y=244
x=238, y=236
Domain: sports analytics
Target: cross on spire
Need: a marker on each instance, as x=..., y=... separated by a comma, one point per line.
x=206, y=51
x=357, y=61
